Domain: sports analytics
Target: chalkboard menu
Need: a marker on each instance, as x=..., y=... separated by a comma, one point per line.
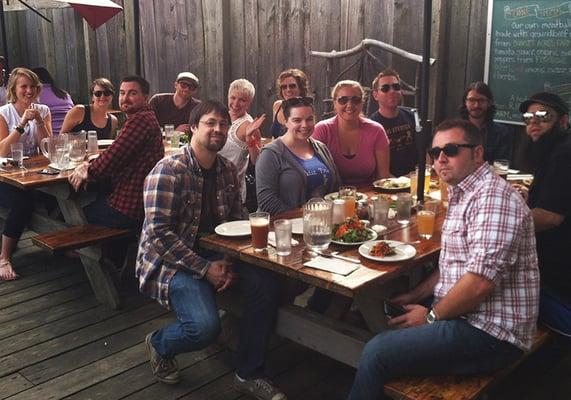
x=528, y=50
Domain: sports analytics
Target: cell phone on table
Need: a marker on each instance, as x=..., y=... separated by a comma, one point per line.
x=49, y=171
x=393, y=310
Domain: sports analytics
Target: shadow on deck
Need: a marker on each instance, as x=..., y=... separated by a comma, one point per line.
x=56, y=342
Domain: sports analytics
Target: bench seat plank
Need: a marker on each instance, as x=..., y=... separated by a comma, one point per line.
x=77, y=237
x=455, y=387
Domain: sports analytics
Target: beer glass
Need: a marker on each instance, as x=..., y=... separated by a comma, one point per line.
x=260, y=226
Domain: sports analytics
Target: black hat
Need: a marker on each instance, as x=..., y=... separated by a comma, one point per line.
x=547, y=99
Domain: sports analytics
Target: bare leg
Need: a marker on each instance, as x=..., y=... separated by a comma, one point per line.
x=7, y=273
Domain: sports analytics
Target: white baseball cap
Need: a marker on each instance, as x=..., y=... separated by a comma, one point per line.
x=187, y=75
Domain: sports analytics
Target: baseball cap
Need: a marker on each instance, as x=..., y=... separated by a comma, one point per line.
x=547, y=99
x=187, y=75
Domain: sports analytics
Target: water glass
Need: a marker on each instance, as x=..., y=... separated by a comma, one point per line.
x=317, y=226
x=175, y=140
x=282, y=229
x=260, y=226
x=404, y=205
x=62, y=156
x=18, y=153
x=380, y=210
x=77, y=146
x=338, y=211
x=92, y=146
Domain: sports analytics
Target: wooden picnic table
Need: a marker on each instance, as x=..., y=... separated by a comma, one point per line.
x=70, y=204
x=368, y=286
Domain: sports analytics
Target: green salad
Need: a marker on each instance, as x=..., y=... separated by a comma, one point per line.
x=351, y=231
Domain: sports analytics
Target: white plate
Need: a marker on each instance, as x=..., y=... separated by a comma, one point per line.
x=234, y=228
x=297, y=226
x=70, y=166
x=384, y=184
x=404, y=251
x=513, y=171
x=373, y=233
x=105, y=142
x=335, y=195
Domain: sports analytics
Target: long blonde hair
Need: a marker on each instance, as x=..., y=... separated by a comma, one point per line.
x=17, y=73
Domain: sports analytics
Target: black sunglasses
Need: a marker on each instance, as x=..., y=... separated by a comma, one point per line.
x=187, y=85
x=296, y=101
x=541, y=115
x=346, y=99
x=450, y=150
x=386, y=87
x=106, y=93
x=290, y=86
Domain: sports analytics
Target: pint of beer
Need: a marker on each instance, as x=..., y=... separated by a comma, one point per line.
x=260, y=226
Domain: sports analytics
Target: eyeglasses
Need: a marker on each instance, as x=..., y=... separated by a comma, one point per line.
x=106, y=93
x=386, y=87
x=290, y=86
x=473, y=100
x=356, y=100
x=211, y=123
x=540, y=115
x=296, y=101
x=450, y=150
x=187, y=85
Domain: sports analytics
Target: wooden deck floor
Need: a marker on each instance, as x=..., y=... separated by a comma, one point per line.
x=56, y=342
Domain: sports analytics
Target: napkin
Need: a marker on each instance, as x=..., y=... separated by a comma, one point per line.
x=332, y=265
x=272, y=240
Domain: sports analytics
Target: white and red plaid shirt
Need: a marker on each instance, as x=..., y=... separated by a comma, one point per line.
x=489, y=231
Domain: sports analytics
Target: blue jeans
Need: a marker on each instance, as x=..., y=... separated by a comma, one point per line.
x=197, y=323
x=555, y=312
x=452, y=347
x=101, y=213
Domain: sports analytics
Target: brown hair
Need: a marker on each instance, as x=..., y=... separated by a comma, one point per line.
x=103, y=82
x=300, y=78
x=386, y=72
x=472, y=134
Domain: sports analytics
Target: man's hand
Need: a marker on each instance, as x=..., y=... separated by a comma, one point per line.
x=79, y=176
x=415, y=316
x=402, y=299
x=221, y=275
x=522, y=190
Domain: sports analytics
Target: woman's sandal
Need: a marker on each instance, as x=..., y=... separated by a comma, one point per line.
x=7, y=273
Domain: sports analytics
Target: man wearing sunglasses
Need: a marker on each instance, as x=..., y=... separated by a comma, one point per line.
x=485, y=290
x=546, y=116
x=478, y=107
x=397, y=121
x=174, y=108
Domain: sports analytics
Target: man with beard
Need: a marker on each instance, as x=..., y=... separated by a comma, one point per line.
x=174, y=108
x=546, y=116
x=186, y=195
x=126, y=163
x=478, y=107
x=397, y=121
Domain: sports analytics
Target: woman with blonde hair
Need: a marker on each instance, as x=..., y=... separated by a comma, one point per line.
x=360, y=146
x=94, y=116
x=21, y=121
x=290, y=83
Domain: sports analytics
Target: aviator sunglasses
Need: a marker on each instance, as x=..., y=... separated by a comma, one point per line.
x=290, y=86
x=346, y=99
x=450, y=150
x=541, y=115
x=386, y=87
x=106, y=93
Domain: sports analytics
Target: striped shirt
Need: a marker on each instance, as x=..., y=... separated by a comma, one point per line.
x=489, y=231
x=173, y=206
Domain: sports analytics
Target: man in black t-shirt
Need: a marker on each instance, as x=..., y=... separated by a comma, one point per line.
x=546, y=116
x=397, y=121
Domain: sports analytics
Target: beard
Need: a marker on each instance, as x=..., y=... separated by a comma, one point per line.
x=534, y=154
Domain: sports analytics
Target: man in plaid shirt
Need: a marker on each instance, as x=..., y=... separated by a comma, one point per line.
x=126, y=163
x=186, y=195
x=485, y=289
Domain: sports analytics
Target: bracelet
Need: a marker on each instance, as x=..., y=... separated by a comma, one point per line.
x=254, y=142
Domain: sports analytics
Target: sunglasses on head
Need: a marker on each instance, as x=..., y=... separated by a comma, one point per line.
x=540, y=115
x=290, y=86
x=106, y=93
x=450, y=150
x=386, y=87
x=187, y=85
x=346, y=99
x=295, y=101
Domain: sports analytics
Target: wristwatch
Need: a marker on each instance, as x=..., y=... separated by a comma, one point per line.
x=430, y=316
x=19, y=129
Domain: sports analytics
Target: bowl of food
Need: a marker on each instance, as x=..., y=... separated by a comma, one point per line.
x=393, y=184
x=352, y=232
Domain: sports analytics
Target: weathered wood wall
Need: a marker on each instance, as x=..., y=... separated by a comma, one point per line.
x=222, y=40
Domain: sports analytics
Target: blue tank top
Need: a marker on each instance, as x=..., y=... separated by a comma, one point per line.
x=277, y=129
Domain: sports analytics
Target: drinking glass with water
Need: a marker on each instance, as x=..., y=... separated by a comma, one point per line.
x=18, y=153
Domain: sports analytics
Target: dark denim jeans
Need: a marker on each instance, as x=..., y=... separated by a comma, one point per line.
x=555, y=312
x=101, y=213
x=198, y=325
x=442, y=348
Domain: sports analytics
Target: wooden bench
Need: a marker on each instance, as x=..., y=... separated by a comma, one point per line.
x=78, y=237
x=456, y=387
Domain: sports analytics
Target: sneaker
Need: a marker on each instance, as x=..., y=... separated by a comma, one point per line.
x=165, y=370
x=261, y=389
